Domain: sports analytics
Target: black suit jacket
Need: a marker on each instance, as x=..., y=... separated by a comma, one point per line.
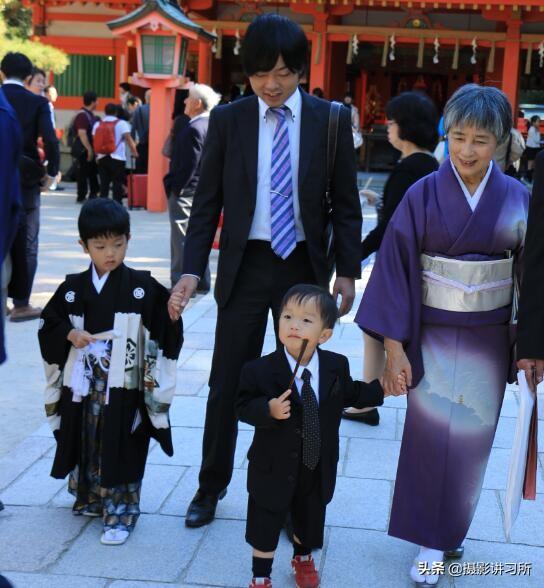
x=35, y=119
x=275, y=454
x=228, y=181
x=530, y=330
x=184, y=169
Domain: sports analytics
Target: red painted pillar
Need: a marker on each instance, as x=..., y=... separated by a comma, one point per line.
x=511, y=63
x=362, y=104
x=320, y=58
x=204, y=62
x=159, y=126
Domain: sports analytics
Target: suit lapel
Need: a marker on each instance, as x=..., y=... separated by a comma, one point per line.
x=248, y=126
x=309, y=129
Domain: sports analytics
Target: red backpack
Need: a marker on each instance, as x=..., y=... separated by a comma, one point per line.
x=104, y=137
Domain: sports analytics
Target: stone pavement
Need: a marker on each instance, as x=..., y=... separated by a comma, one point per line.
x=43, y=546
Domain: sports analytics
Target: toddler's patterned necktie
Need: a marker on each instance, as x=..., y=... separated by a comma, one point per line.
x=311, y=443
x=282, y=215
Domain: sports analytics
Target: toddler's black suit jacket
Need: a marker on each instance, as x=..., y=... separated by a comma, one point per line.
x=276, y=451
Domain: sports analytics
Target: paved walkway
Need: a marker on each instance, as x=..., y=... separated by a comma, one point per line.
x=43, y=546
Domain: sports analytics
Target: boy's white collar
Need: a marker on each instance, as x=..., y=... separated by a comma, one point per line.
x=99, y=282
x=312, y=367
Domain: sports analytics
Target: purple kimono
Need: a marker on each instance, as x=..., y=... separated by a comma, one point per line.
x=460, y=357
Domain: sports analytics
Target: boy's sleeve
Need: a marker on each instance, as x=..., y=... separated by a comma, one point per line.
x=361, y=394
x=53, y=329
x=163, y=340
x=251, y=406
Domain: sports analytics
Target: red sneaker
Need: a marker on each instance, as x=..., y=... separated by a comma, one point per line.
x=267, y=583
x=306, y=575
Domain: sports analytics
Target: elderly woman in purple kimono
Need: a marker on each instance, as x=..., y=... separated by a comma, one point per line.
x=440, y=296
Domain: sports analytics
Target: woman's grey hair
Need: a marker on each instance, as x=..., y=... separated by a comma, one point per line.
x=209, y=97
x=483, y=107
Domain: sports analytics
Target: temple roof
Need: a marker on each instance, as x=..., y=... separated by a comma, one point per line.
x=169, y=9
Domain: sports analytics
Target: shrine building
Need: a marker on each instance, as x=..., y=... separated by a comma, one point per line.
x=373, y=49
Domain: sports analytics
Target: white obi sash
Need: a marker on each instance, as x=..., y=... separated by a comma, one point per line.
x=467, y=286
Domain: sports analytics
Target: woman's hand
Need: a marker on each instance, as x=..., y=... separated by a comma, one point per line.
x=396, y=365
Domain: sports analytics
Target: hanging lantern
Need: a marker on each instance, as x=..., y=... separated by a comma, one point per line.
x=238, y=44
x=541, y=54
x=473, y=59
x=436, y=48
x=392, y=43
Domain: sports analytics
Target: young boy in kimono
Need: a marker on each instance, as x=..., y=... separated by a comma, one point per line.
x=110, y=353
x=294, y=454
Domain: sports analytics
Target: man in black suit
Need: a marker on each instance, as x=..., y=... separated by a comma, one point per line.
x=264, y=164
x=182, y=179
x=35, y=119
x=530, y=329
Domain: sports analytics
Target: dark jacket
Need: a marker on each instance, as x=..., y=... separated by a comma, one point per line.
x=228, y=182
x=274, y=456
x=34, y=117
x=10, y=192
x=184, y=171
x=406, y=173
x=530, y=330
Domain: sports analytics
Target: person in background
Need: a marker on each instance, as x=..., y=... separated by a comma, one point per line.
x=508, y=154
x=355, y=121
x=533, y=145
x=181, y=181
x=50, y=92
x=35, y=119
x=140, y=132
x=109, y=137
x=318, y=93
x=124, y=93
x=37, y=81
x=11, y=208
x=133, y=103
x=411, y=128
x=87, y=175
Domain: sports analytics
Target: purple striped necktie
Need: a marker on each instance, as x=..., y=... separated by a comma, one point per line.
x=282, y=215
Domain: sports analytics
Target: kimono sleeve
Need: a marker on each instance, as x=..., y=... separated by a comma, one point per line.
x=54, y=327
x=391, y=304
x=162, y=339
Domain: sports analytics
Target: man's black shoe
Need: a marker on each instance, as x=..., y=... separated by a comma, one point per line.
x=201, y=511
x=1, y=505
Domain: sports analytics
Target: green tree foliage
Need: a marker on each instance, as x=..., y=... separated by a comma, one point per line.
x=15, y=29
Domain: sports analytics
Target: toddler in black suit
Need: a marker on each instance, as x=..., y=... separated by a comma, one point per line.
x=295, y=449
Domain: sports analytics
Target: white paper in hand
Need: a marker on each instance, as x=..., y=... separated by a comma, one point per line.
x=518, y=457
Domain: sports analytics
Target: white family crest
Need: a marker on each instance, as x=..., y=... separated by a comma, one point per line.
x=40, y=324
x=138, y=293
x=70, y=296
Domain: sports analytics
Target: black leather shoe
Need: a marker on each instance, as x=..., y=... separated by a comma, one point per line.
x=455, y=553
x=201, y=511
x=371, y=417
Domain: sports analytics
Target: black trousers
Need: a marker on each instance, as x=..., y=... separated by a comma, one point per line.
x=111, y=172
x=31, y=205
x=263, y=526
x=87, y=178
x=143, y=158
x=262, y=281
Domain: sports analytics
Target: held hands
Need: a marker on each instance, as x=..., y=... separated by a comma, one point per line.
x=371, y=196
x=280, y=408
x=80, y=338
x=174, y=306
x=181, y=294
x=397, y=375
